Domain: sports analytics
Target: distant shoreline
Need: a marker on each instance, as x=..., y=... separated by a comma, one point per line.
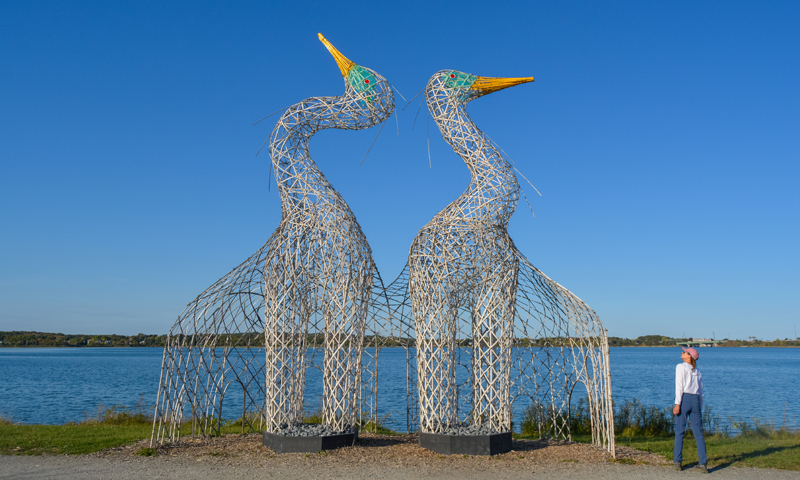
x=717, y=346
x=81, y=346
x=392, y=346
x=28, y=339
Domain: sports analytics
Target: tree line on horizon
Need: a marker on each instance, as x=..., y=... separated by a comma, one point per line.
x=662, y=341
x=256, y=340
x=42, y=339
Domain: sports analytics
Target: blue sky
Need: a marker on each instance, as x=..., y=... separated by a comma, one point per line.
x=664, y=137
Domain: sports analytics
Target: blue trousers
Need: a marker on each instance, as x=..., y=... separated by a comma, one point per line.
x=690, y=406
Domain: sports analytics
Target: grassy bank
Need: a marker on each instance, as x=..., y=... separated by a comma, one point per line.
x=109, y=427
x=775, y=451
x=643, y=428
x=758, y=444
x=763, y=452
x=72, y=439
x=650, y=428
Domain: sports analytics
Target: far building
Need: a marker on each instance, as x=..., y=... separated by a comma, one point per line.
x=700, y=342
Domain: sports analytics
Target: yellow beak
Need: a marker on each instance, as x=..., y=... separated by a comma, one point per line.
x=344, y=64
x=487, y=85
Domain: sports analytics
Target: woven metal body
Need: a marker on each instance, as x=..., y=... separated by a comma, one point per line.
x=320, y=264
x=491, y=329
x=305, y=299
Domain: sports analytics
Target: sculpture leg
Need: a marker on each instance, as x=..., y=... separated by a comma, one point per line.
x=435, y=316
x=286, y=318
x=494, y=301
x=345, y=313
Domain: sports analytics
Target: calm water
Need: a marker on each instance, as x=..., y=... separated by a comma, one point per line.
x=58, y=385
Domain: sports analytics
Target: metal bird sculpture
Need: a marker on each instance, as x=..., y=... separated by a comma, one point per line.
x=310, y=285
x=321, y=263
x=490, y=327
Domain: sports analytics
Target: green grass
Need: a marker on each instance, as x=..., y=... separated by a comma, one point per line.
x=148, y=452
x=110, y=427
x=650, y=428
x=760, y=449
x=380, y=430
x=778, y=451
x=759, y=445
x=68, y=439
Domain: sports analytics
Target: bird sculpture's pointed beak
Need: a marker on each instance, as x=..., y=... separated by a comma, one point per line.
x=486, y=85
x=344, y=63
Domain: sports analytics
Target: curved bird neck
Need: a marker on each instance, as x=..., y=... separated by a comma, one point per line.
x=493, y=191
x=302, y=186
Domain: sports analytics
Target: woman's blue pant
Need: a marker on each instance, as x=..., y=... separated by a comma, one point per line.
x=690, y=406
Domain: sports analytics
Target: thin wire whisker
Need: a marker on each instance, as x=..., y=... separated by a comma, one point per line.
x=262, y=146
x=415, y=96
x=373, y=142
x=415, y=116
x=430, y=165
x=271, y=114
x=398, y=92
x=513, y=164
x=526, y=201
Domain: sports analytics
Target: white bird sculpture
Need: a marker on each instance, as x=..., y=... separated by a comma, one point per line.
x=310, y=285
x=490, y=327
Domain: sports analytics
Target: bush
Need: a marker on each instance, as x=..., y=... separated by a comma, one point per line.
x=633, y=419
x=313, y=417
x=757, y=429
x=541, y=419
x=147, y=452
x=139, y=414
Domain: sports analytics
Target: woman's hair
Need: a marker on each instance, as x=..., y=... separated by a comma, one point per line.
x=693, y=362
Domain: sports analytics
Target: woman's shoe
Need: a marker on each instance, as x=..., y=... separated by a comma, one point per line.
x=701, y=468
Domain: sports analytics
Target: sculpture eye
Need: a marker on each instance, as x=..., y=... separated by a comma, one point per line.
x=452, y=75
x=366, y=80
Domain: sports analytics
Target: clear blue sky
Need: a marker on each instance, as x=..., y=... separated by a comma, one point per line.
x=664, y=136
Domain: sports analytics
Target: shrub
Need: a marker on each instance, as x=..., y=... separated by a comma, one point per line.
x=139, y=414
x=632, y=419
x=147, y=452
x=757, y=429
x=313, y=417
x=542, y=419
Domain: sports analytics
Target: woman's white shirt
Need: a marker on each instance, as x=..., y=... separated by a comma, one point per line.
x=688, y=380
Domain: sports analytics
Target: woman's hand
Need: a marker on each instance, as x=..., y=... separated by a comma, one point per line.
x=676, y=410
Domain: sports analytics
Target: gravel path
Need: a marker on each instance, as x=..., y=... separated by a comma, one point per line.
x=375, y=457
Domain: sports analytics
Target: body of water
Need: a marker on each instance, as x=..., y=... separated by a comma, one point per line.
x=59, y=385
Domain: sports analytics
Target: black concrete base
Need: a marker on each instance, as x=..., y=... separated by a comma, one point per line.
x=466, y=444
x=285, y=444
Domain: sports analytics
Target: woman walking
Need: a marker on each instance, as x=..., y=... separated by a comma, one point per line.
x=689, y=402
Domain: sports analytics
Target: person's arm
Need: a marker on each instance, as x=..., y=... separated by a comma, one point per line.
x=678, y=390
x=700, y=388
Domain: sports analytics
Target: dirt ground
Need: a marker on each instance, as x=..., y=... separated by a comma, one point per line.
x=374, y=456
x=389, y=450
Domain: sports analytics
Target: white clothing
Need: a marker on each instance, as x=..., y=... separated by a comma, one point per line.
x=688, y=380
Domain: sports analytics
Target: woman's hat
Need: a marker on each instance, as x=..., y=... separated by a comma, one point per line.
x=691, y=351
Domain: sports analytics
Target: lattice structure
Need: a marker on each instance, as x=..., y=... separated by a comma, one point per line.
x=305, y=299
x=491, y=329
